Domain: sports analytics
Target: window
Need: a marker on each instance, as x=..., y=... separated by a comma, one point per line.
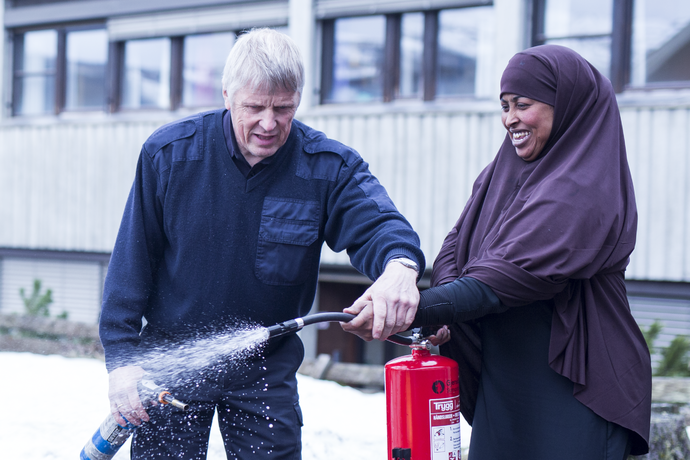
x=464, y=42
x=87, y=57
x=172, y=72
x=643, y=43
x=146, y=74
x=35, y=71
x=59, y=69
x=358, y=59
x=204, y=59
x=582, y=25
x=73, y=69
x=660, y=42
x=412, y=55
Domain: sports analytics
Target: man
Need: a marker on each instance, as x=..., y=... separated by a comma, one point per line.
x=223, y=226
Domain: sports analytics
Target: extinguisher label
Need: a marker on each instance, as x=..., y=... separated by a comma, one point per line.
x=445, y=428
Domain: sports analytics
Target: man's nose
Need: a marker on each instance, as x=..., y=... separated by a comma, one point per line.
x=268, y=120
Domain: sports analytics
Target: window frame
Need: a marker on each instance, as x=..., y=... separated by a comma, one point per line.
x=60, y=73
x=114, y=76
x=621, y=45
x=118, y=76
x=392, y=55
x=177, y=43
x=181, y=64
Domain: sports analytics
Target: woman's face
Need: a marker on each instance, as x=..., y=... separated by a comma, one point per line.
x=529, y=123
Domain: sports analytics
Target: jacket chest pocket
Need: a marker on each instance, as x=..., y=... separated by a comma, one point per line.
x=286, y=251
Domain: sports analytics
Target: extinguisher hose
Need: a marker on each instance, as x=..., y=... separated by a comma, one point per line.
x=294, y=325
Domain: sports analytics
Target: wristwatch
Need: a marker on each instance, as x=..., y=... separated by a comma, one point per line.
x=409, y=263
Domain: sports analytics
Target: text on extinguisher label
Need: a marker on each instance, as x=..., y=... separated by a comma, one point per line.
x=444, y=415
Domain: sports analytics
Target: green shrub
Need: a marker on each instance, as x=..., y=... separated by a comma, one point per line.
x=675, y=361
x=37, y=304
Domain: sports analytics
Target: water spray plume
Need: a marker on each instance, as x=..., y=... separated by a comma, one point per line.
x=188, y=360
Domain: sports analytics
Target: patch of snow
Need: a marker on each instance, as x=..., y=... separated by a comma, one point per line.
x=52, y=405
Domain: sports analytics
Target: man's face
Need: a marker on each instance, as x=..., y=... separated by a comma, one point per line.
x=261, y=120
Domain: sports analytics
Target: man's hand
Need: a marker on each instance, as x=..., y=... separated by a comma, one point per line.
x=387, y=307
x=124, y=397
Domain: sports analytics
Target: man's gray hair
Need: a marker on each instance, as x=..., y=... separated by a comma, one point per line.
x=263, y=59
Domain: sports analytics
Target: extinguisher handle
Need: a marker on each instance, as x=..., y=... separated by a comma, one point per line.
x=400, y=339
x=296, y=324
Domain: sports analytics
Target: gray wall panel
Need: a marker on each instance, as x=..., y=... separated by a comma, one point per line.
x=75, y=286
x=64, y=185
x=659, y=152
x=426, y=161
x=100, y=9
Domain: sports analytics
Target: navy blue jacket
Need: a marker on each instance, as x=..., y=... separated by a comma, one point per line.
x=201, y=247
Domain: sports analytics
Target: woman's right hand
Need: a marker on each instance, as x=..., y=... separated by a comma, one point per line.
x=442, y=336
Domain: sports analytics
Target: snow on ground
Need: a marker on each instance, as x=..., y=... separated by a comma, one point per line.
x=51, y=405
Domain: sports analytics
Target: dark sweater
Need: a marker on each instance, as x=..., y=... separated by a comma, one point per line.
x=201, y=247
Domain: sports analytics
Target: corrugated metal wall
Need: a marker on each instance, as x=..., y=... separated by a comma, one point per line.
x=658, y=142
x=427, y=162
x=63, y=185
x=67, y=183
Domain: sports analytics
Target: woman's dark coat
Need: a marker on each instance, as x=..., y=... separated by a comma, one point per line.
x=561, y=227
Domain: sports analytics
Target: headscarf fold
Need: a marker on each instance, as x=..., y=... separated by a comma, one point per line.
x=561, y=227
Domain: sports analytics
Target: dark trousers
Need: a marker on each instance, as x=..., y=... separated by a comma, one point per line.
x=257, y=406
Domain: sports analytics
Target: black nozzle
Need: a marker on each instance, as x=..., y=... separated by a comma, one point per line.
x=328, y=316
x=292, y=325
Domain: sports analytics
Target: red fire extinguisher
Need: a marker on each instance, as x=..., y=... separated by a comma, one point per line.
x=423, y=405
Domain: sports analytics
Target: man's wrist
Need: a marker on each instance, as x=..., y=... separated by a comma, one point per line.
x=409, y=263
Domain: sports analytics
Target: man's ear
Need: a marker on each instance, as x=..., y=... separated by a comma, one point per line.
x=226, y=99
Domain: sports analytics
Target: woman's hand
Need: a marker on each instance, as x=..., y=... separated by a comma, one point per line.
x=442, y=336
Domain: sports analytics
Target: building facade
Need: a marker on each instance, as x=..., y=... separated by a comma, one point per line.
x=411, y=84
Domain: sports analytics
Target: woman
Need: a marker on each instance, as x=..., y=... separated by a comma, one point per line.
x=531, y=278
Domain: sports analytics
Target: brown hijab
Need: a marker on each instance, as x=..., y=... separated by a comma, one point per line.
x=561, y=227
